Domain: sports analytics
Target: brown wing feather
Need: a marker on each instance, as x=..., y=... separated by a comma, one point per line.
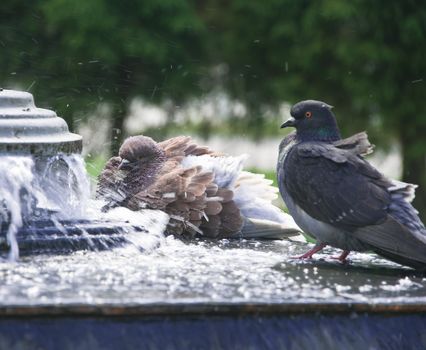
x=183, y=146
x=231, y=219
x=211, y=189
x=211, y=228
x=199, y=151
x=176, y=146
x=167, y=189
x=213, y=208
x=181, y=193
x=226, y=194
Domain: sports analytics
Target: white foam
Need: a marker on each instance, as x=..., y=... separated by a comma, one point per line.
x=154, y=221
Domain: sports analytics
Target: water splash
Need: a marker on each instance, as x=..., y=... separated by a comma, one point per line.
x=55, y=188
x=16, y=184
x=64, y=182
x=155, y=221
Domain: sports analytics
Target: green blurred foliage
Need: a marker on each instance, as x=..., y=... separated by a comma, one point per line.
x=367, y=58
x=95, y=165
x=75, y=54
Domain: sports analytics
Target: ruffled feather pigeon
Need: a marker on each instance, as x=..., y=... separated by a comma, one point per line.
x=203, y=192
x=340, y=199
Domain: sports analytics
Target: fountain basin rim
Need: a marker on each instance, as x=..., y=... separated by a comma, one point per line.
x=42, y=146
x=64, y=137
x=210, y=309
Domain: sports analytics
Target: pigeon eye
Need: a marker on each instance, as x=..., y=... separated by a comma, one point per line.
x=308, y=114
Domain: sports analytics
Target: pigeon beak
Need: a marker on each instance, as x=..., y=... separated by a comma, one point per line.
x=289, y=122
x=124, y=164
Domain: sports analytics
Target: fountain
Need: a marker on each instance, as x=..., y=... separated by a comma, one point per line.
x=43, y=184
x=160, y=292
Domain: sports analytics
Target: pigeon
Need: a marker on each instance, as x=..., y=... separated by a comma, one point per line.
x=338, y=198
x=205, y=193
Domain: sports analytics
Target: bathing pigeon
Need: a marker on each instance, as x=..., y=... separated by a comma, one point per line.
x=340, y=199
x=204, y=193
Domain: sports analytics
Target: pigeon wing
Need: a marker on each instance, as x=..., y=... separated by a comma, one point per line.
x=336, y=186
x=357, y=143
x=182, y=194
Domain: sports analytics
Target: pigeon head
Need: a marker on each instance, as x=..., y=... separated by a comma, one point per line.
x=138, y=150
x=314, y=121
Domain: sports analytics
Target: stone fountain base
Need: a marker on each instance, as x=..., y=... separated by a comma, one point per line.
x=222, y=294
x=220, y=326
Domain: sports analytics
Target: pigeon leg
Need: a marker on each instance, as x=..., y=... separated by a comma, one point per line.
x=309, y=254
x=342, y=257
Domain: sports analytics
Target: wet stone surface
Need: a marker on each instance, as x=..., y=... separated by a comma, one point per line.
x=173, y=271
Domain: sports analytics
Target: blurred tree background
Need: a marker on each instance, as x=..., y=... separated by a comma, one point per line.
x=367, y=58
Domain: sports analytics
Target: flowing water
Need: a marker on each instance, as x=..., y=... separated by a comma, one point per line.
x=56, y=188
x=169, y=270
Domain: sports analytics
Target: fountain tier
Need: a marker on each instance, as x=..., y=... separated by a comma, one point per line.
x=26, y=129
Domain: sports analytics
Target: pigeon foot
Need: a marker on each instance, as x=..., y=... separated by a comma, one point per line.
x=342, y=257
x=310, y=253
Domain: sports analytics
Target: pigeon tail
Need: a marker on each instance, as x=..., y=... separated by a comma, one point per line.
x=401, y=209
x=254, y=195
x=267, y=229
x=396, y=242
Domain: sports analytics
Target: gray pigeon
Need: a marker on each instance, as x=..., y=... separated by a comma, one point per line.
x=203, y=192
x=341, y=200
